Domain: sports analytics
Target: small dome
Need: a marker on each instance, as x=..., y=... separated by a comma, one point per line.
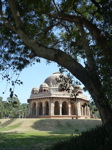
x=44, y=85
x=35, y=90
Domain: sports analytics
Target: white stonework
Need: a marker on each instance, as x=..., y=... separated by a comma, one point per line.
x=49, y=101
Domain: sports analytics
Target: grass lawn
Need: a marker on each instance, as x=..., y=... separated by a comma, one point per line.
x=37, y=134
x=27, y=141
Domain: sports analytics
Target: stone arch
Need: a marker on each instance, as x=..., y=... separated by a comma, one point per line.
x=64, y=108
x=34, y=109
x=56, y=108
x=73, y=108
x=46, y=108
x=40, y=108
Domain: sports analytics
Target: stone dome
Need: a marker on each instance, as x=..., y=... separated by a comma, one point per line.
x=35, y=90
x=52, y=80
x=44, y=85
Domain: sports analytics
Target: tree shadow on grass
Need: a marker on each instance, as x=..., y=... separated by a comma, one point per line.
x=65, y=126
x=21, y=141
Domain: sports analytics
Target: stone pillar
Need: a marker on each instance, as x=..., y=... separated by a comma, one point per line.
x=51, y=110
x=60, y=109
x=43, y=110
x=43, y=113
x=78, y=108
x=69, y=109
x=82, y=111
x=88, y=111
x=36, y=109
x=85, y=111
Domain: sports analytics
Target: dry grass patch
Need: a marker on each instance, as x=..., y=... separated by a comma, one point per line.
x=52, y=126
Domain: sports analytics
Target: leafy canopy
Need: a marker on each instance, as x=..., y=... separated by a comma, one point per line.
x=81, y=29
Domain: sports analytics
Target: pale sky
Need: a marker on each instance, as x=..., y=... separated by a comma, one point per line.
x=32, y=76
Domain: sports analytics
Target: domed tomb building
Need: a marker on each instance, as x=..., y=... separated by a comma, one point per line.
x=51, y=100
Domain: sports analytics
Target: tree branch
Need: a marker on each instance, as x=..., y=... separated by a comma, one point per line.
x=5, y=20
x=72, y=18
x=55, y=55
x=0, y=7
x=15, y=13
x=47, y=29
x=57, y=9
x=89, y=55
x=58, y=56
x=95, y=32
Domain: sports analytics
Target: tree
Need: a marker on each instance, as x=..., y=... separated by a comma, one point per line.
x=5, y=108
x=93, y=110
x=13, y=106
x=62, y=31
x=1, y=107
x=24, y=110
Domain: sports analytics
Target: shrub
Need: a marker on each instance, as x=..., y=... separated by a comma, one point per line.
x=95, y=139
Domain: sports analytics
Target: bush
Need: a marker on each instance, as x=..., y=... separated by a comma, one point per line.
x=96, y=139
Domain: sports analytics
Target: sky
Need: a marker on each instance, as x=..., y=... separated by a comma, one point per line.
x=31, y=76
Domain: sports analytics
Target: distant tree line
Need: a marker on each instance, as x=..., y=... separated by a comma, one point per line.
x=12, y=108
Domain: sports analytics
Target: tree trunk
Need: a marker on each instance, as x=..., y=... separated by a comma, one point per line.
x=106, y=116
x=103, y=105
x=105, y=113
x=94, y=87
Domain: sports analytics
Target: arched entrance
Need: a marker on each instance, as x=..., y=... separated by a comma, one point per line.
x=64, y=108
x=46, y=108
x=56, y=108
x=34, y=109
x=73, y=109
x=40, y=108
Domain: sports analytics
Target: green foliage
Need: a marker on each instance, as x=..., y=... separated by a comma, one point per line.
x=38, y=23
x=23, y=110
x=94, y=110
x=12, y=108
x=96, y=139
